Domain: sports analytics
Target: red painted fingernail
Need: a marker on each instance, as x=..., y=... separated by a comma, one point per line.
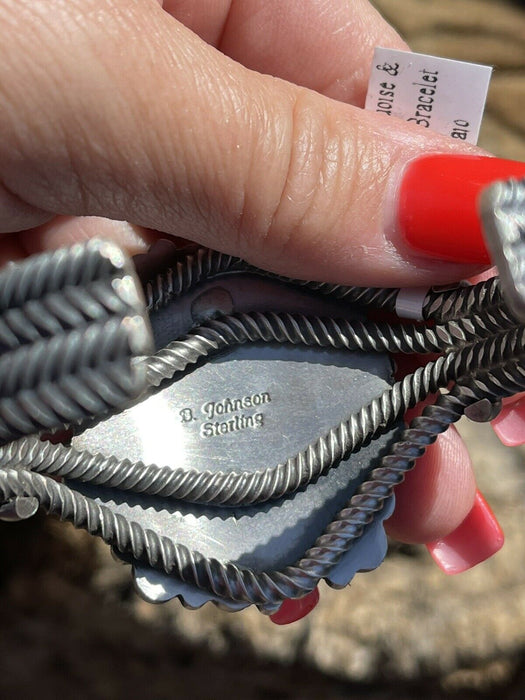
x=438, y=204
x=509, y=426
x=477, y=538
x=293, y=610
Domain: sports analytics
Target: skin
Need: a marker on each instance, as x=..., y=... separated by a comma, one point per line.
x=235, y=123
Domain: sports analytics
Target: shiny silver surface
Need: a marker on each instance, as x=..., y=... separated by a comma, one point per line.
x=245, y=410
x=502, y=208
x=303, y=392
x=233, y=411
x=249, y=409
x=367, y=554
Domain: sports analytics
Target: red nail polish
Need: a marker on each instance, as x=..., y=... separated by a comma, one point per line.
x=477, y=538
x=438, y=204
x=509, y=426
x=293, y=610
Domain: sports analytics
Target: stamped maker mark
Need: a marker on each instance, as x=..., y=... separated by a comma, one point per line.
x=228, y=415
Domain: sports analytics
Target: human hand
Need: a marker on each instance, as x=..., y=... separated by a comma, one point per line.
x=238, y=125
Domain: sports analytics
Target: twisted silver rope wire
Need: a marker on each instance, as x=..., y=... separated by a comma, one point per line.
x=53, y=271
x=70, y=308
x=70, y=323
x=227, y=331
x=65, y=378
x=269, y=588
x=235, y=488
x=445, y=304
x=204, y=264
x=245, y=488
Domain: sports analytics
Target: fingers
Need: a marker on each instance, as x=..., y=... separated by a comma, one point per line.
x=437, y=495
x=438, y=505
x=509, y=426
x=16, y=214
x=158, y=128
x=64, y=231
x=325, y=46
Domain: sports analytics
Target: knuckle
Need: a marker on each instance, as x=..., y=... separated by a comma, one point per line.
x=316, y=162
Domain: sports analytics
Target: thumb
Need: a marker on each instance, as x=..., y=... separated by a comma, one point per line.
x=120, y=111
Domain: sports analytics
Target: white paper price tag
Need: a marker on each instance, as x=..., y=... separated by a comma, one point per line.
x=436, y=93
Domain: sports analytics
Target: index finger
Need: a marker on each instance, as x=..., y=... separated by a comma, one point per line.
x=324, y=45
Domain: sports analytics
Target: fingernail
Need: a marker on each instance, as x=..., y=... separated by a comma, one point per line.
x=438, y=204
x=509, y=426
x=293, y=610
x=477, y=538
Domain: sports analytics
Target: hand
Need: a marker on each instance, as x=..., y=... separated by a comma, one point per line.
x=236, y=124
